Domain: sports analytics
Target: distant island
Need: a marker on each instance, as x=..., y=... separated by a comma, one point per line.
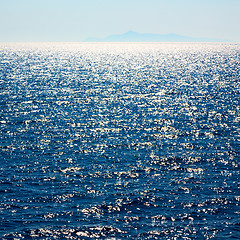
x=132, y=36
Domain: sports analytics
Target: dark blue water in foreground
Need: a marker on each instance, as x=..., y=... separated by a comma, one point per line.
x=117, y=141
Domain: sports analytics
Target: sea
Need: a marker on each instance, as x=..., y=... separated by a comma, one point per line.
x=119, y=141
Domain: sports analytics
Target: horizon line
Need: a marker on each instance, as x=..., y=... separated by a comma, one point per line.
x=87, y=42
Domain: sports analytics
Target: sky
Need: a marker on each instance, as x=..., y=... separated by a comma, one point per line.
x=76, y=20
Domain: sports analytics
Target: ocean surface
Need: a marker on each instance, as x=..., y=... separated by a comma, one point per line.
x=119, y=141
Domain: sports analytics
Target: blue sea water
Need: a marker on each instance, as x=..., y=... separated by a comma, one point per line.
x=119, y=141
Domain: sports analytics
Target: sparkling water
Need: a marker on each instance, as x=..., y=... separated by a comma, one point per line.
x=119, y=141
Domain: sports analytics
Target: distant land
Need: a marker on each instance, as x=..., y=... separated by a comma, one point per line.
x=132, y=36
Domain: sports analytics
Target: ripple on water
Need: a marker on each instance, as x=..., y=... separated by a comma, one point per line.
x=119, y=141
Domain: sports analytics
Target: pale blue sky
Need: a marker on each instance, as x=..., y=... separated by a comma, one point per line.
x=75, y=20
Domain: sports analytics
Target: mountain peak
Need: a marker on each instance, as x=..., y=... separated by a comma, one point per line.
x=132, y=36
x=131, y=32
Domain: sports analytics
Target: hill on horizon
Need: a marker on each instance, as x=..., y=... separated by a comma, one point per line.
x=132, y=36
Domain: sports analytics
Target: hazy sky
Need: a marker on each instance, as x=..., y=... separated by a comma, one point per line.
x=75, y=20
